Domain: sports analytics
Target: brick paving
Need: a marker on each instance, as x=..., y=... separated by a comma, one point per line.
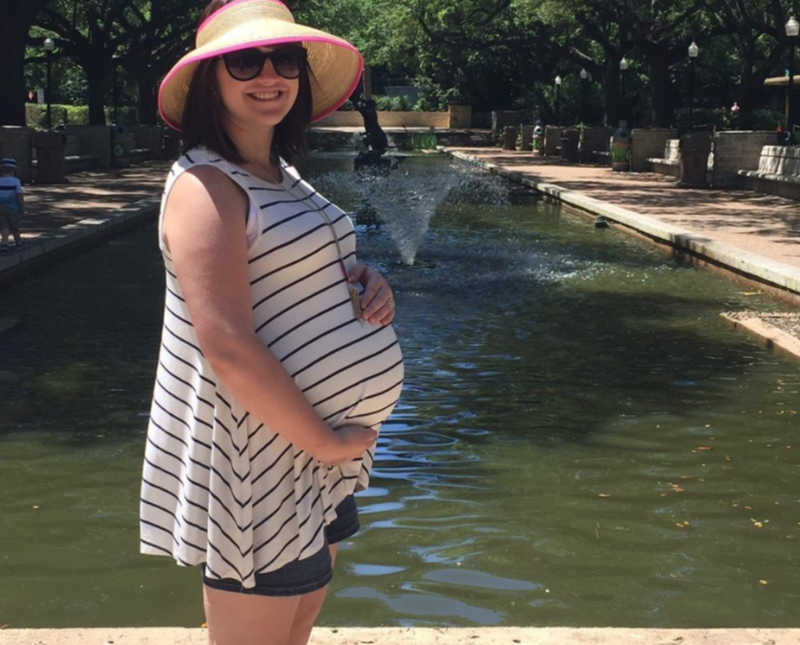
x=50, y=206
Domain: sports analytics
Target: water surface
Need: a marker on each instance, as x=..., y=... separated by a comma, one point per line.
x=581, y=439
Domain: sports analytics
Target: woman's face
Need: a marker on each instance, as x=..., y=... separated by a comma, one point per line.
x=260, y=102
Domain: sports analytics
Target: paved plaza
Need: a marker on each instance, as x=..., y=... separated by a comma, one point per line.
x=420, y=636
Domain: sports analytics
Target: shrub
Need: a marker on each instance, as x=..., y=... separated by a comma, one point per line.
x=36, y=115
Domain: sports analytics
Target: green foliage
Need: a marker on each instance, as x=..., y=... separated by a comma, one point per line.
x=493, y=54
x=60, y=114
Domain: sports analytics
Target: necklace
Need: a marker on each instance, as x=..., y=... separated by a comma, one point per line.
x=355, y=301
x=271, y=174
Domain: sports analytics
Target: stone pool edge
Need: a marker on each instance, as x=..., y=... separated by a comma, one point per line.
x=420, y=636
x=56, y=243
x=757, y=267
x=771, y=335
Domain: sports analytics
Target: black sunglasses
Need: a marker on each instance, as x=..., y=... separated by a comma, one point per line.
x=246, y=64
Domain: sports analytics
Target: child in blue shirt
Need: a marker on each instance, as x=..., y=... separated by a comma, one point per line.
x=11, y=204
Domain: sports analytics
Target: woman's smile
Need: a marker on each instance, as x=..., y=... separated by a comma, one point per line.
x=265, y=96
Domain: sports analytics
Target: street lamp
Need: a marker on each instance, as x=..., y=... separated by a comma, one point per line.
x=557, y=81
x=584, y=78
x=49, y=46
x=114, y=92
x=693, y=51
x=623, y=66
x=792, y=29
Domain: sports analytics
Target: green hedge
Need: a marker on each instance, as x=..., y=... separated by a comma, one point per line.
x=36, y=115
x=392, y=104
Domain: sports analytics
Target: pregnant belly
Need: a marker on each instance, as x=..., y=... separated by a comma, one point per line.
x=352, y=374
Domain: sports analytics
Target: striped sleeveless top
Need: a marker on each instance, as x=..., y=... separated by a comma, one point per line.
x=220, y=487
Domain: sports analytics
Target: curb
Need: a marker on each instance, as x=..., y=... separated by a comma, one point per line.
x=419, y=636
x=90, y=231
x=758, y=267
x=771, y=335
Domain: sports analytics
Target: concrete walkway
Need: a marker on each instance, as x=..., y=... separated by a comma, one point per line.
x=91, y=205
x=746, y=232
x=420, y=636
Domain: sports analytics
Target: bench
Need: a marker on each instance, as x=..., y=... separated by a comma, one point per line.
x=670, y=163
x=778, y=172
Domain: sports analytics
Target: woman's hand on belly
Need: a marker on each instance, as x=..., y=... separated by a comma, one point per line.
x=377, y=301
x=349, y=442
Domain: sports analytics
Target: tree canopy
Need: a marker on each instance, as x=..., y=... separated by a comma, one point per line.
x=493, y=54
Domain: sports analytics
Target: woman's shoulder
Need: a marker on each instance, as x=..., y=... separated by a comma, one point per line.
x=197, y=156
x=201, y=184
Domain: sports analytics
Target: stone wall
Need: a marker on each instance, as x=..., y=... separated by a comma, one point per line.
x=149, y=137
x=15, y=141
x=353, y=119
x=94, y=141
x=736, y=150
x=502, y=118
x=646, y=143
x=460, y=116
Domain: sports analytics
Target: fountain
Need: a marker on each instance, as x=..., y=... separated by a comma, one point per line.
x=404, y=201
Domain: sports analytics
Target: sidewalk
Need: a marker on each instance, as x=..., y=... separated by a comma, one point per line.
x=420, y=636
x=60, y=218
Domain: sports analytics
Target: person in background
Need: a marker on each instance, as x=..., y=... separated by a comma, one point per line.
x=12, y=204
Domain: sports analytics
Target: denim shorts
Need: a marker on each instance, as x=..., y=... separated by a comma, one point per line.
x=301, y=576
x=9, y=217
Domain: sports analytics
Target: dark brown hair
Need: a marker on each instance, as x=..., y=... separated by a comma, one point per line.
x=203, y=113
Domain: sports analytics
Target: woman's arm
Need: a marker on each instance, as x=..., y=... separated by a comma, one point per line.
x=204, y=229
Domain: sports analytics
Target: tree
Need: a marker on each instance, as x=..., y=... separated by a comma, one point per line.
x=18, y=16
x=153, y=36
x=755, y=32
x=87, y=31
x=654, y=31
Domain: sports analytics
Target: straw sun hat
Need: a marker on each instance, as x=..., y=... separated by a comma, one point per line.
x=241, y=24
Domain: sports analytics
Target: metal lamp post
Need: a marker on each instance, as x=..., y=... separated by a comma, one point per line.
x=557, y=81
x=623, y=67
x=114, y=91
x=792, y=30
x=49, y=46
x=693, y=52
x=584, y=78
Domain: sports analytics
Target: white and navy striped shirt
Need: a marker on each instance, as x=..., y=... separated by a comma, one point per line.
x=220, y=487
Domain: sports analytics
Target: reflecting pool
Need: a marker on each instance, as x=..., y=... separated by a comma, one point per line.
x=581, y=439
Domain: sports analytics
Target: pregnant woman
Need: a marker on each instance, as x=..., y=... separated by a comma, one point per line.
x=278, y=362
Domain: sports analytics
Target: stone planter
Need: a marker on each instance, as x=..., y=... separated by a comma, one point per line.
x=695, y=148
x=526, y=138
x=569, y=145
x=510, y=137
x=552, y=140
